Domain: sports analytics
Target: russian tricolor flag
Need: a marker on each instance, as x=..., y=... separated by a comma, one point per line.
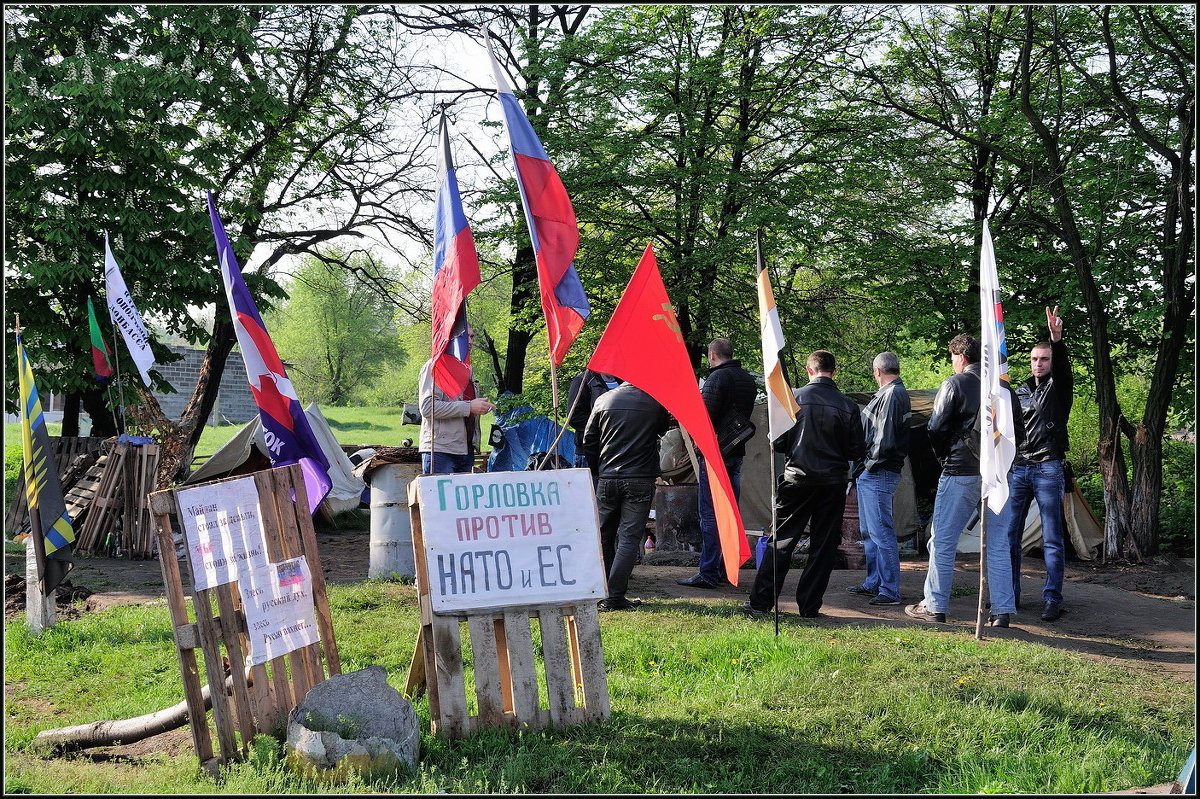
x=455, y=273
x=551, y=221
x=288, y=435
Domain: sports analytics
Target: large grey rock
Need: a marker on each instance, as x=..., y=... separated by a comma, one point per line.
x=353, y=724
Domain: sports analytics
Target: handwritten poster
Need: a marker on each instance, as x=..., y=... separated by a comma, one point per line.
x=224, y=530
x=510, y=538
x=280, y=614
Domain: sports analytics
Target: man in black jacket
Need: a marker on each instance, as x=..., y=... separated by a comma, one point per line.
x=1037, y=471
x=955, y=440
x=621, y=444
x=729, y=389
x=821, y=447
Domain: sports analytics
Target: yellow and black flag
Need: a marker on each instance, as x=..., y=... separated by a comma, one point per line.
x=53, y=534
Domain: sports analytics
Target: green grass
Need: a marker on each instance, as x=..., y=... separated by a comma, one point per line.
x=703, y=701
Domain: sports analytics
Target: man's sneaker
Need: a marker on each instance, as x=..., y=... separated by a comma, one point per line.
x=883, y=600
x=1052, y=611
x=919, y=611
x=696, y=581
x=998, y=620
x=618, y=603
x=753, y=611
x=859, y=589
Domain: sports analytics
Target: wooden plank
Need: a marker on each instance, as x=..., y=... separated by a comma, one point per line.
x=523, y=669
x=281, y=692
x=262, y=698
x=414, y=686
x=308, y=546
x=576, y=665
x=232, y=625
x=452, y=692
x=185, y=649
x=488, y=693
x=506, y=686
x=213, y=666
x=560, y=688
x=596, y=700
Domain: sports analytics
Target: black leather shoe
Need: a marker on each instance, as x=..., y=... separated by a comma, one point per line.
x=1052, y=611
x=621, y=603
x=696, y=581
x=998, y=620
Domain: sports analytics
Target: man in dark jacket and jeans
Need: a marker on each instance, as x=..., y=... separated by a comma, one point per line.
x=1037, y=471
x=886, y=423
x=621, y=444
x=955, y=442
x=729, y=389
x=821, y=447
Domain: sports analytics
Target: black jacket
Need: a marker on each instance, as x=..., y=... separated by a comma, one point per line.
x=621, y=437
x=1045, y=408
x=955, y=409
x=886, y=425
x=729, y=387
x=826, y=439
x=593, y=386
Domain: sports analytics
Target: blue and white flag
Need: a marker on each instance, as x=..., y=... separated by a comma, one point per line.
x=998, y=443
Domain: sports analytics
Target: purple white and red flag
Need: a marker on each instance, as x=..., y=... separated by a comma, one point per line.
x=285, y=427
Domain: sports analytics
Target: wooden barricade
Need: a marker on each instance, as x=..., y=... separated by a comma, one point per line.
x=257, y=699
x=72, y=455
x=505, y=667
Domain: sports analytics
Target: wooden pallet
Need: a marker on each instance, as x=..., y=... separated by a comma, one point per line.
x=257, y=699
x=67, y=453
x=505, y=661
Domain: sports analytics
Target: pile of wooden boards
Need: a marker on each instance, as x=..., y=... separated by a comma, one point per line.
x=105, y=483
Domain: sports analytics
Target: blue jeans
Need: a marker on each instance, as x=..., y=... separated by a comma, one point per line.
x=875, y=491
x=712, y=563
x=1044, y=482
x=445, y=463
x=624, y=509
x=956, y=502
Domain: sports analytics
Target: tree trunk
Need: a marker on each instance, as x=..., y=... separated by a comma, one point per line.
x=1116, y=491
x=104, y=422
x=70, y=420
x=526, y=294
x=125, y=731
x=1146, y=452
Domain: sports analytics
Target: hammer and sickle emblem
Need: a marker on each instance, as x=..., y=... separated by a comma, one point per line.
x=668, y=316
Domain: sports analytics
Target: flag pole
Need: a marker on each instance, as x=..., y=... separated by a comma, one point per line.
x=983, y=577
x=562, y=428
x=39, y=608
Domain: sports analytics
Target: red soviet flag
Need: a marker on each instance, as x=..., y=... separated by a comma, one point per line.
x=643, y=345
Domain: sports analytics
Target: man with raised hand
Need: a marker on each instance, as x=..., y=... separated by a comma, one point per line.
x=1037, y=472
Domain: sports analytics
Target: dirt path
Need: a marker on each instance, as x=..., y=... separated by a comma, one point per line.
x=1141, y=616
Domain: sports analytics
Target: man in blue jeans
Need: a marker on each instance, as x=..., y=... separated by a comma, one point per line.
x=621, y=444
x=955, y=442
x=729, y=389
x=886, y=425
x=1037, y=471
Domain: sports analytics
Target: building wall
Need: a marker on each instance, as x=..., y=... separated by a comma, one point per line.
x=235, y=403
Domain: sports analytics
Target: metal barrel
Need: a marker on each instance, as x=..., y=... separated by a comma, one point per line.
x=391, y=527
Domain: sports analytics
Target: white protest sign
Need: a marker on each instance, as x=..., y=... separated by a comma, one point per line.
x=280, y=614
x=510, y=538
x=224, y=531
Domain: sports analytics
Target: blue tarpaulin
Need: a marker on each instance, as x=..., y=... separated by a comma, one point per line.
x=527, y=433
